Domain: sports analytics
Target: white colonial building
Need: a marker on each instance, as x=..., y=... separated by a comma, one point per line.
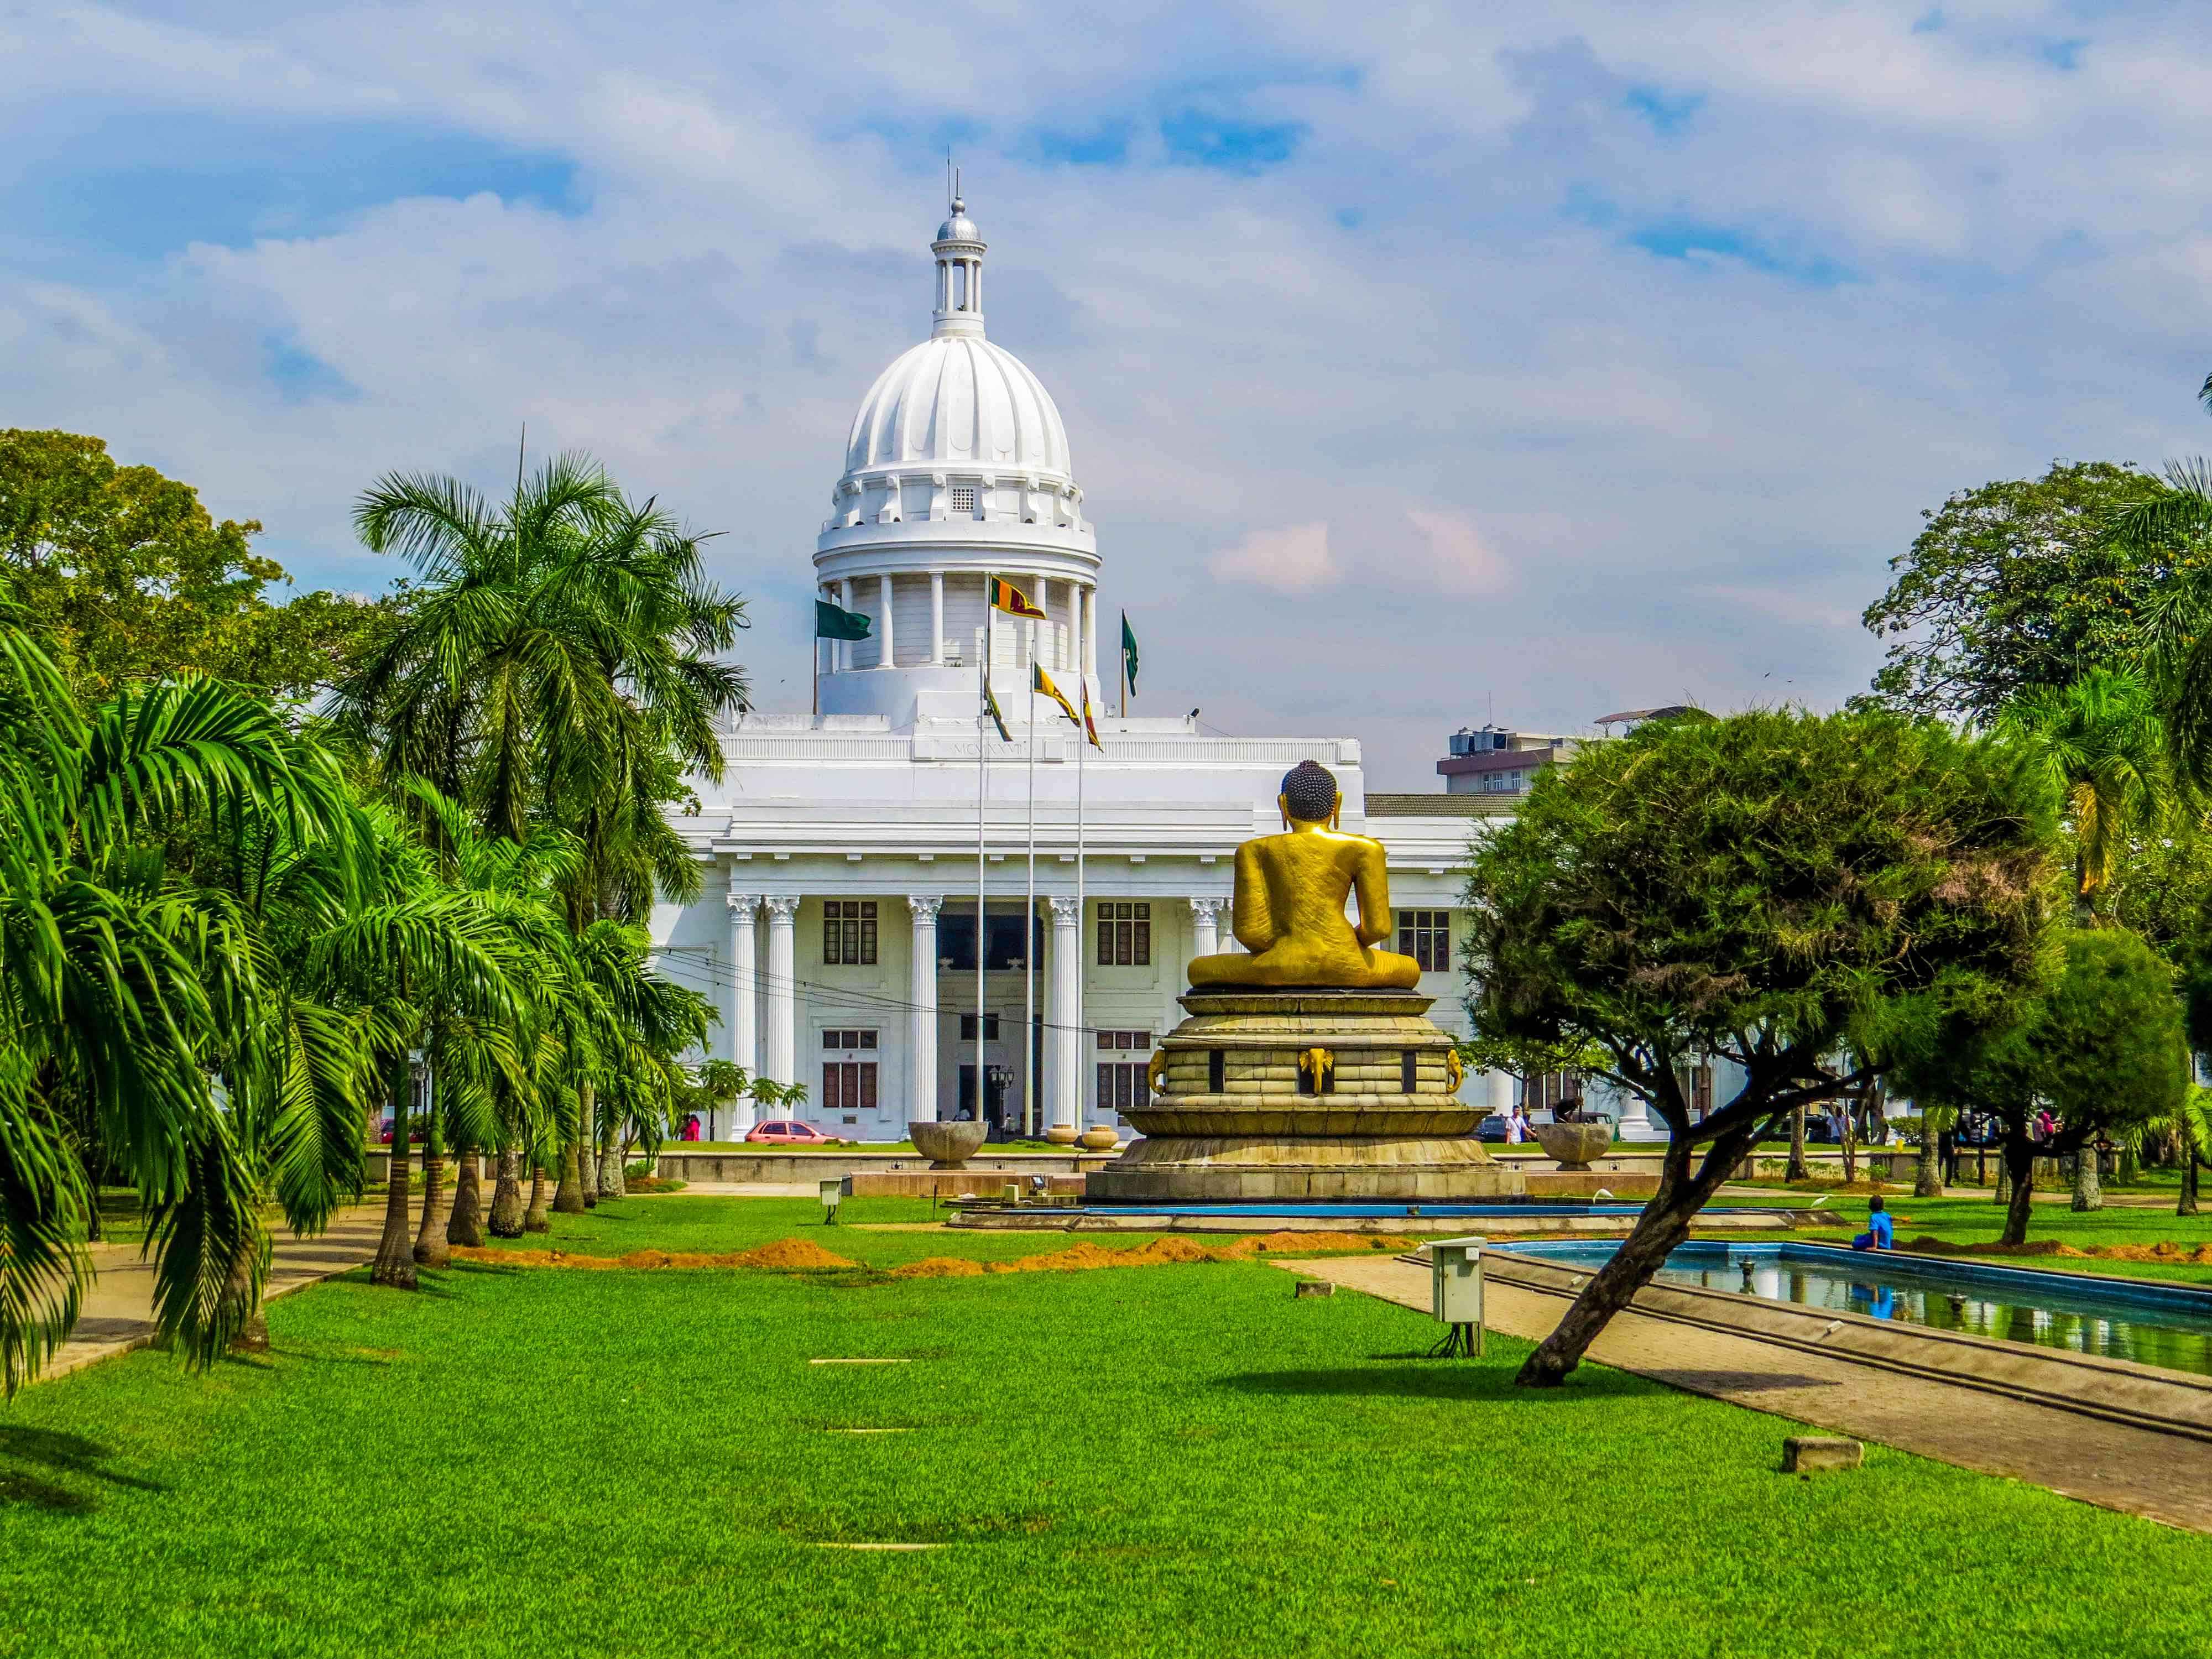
x=839, y=934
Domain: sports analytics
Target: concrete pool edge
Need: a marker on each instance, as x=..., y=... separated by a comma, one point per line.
x=2116, y=1390
x=1040, y=1217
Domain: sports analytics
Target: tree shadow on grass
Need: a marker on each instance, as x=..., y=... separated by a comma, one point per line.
x=26, y=1457
x=1417, y=1377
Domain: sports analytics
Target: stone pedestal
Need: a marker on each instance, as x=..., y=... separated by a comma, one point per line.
x=1270, y=1096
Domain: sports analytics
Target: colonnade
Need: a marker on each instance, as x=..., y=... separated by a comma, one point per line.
x=846, y=593
x=774, y=1053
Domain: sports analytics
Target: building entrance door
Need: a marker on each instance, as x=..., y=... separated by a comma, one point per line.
x=994, y=1109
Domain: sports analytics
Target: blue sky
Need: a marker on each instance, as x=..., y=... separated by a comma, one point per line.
x=1575, y=359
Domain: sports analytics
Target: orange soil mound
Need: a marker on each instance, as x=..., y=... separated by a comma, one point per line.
x=1165, y=1251
x=939, y=1266
x=800, y=1253
x=785, y=1253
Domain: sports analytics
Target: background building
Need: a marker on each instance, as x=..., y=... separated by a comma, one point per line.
x=841, y=936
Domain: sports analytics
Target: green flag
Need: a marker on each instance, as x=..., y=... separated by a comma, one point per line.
x=1128, y=652
x=832, y=623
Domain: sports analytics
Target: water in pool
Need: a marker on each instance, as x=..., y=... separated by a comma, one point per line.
x=2151, y=1324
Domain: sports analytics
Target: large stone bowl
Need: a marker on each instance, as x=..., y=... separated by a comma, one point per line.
x=1574, y=1145
x=947, y=1145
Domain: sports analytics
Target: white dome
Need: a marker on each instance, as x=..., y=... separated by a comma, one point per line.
x=957, y=399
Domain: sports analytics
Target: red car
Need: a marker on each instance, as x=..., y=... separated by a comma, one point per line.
x=788, y=1132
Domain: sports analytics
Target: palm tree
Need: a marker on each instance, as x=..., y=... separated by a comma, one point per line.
x=140, y=991
x=556, y=668
x=2102, y=741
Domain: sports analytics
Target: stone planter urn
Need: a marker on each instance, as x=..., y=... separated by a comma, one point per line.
x=1574, y=1145
x=1062, y=1134
x=947, y=1145
x=1100, y=1138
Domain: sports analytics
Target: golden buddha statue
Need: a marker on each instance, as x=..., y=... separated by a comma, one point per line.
x=1289, y=907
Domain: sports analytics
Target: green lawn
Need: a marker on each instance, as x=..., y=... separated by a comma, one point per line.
x=1165, y=1461
x=1977, y=1220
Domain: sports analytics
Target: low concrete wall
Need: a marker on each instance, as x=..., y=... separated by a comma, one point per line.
x=774, y=1163
x=952, y=1183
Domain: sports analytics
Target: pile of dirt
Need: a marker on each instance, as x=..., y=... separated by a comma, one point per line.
x=1174, y=1249
x=787, y=1255
x=2165, y=1252
x=939, y=1266
x=799, y=1255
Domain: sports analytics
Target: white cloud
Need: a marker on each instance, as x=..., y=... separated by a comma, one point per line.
x=1460, y=558
x=1440, y=299
x=1294, y=559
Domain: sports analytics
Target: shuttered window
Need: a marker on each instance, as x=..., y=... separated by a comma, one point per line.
x=849, y=933
x=1125, y=935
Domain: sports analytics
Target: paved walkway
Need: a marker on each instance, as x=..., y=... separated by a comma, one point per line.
x=2135, y=1470
x=118, y=1309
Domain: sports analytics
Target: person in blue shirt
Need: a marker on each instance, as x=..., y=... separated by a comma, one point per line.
x=1879, y=1234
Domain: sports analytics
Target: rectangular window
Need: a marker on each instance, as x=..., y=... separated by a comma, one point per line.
x=849, y=1079
x=1123, y=1086
x=1425, y=936
x=1125, y=935
x=848, y=933
x=968, y=1028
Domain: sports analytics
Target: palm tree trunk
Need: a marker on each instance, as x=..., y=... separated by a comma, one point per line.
x=568, y=1197
x=533, y=1219
x=2186, y=1205
x=253, y=1335
x=430, y=1246
x=2088, y=1191
x=464, y=1226
x=1927, y=1179
x=395, y=1251
x=1797, y=1171
x=507, y=1195
x=611, y=1183
x=1847, y=1137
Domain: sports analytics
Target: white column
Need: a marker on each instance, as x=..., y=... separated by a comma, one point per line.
x=1203, y=914
x=889, y=656
x=1089, y=630
x=782, y=991
x=921, y=1019
x=1067, y=1045
x=844, y=648
x=1501, y=1094
x=743, y=997
x=937, y=618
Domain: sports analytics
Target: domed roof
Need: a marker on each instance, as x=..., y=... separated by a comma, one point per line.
x=958, y=399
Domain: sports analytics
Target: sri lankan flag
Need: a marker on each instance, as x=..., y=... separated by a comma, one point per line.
x=1043, y=685
x=1005, y=597
x=1089, y=726
x=991, y=709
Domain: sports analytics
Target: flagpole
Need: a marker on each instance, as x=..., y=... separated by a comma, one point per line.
x=1028, y=928
x=1082, y=743
x=982, y=786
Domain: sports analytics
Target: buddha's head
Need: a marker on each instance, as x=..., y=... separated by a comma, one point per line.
x=1309, y=794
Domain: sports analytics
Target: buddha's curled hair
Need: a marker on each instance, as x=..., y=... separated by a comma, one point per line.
x=1310, y=791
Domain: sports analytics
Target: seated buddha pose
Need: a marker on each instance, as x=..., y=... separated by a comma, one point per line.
x=1289, y=909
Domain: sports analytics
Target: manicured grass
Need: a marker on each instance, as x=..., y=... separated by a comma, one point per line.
x=1153, y=1461
x=1977, y=1220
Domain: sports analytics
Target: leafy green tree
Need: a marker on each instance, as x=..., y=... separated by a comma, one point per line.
x=2102, y=1046
x=2022, y=584
x=1776, y=889
x=122, y=576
